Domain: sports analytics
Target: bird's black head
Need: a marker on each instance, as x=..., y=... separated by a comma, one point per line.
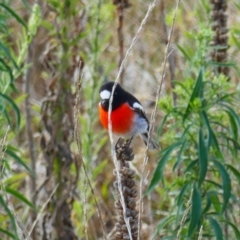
x=106, y=92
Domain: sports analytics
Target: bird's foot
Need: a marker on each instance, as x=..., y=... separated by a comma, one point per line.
x=124, y=152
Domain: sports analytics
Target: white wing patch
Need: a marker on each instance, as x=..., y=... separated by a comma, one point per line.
x=138, y=106
x=105, y=94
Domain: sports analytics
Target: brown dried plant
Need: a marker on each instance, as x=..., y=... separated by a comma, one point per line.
x=220, y=39
x=121, y=5
x=127, y=216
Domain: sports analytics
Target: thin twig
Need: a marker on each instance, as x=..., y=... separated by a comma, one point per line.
x=200, y=233
x=42, y=208
x=120, y=11
x=150, y=8
x=189, y=205
x=29, y=129
x=77, y=137
x=153, y=116
x=85, y=211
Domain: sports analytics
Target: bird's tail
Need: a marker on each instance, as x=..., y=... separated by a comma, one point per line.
x=152, y=144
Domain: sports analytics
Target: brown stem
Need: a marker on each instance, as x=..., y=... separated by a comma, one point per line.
x=29, y=130
x=121, y=4
x=127, y=219
x=219, y=42
x=120, y=38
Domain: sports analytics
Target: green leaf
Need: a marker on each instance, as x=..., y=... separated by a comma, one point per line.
x=202, y=157
x=179, y=158
x=235, y=229
x=196, y=211
x=226, y=183
x=8, y=54
x=212, y=140
x=185, y=54
x=14, y=106
x=208, y=203
x=158, y=174
x=234, y=127
x=204, y=117
x=160, y=128
x=190, y=166
x=234, y=171
x=216, y=228
x=8, y=69
x=10, y=152
x=9, y=234
x=197, y=92
x=232, y=113
x=215, y=201
x=14, y=14
x=19, y=196
x=182, y=193
x=10, y=215
x=162, y=224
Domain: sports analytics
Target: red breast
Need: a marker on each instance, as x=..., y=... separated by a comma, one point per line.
x=122, y=118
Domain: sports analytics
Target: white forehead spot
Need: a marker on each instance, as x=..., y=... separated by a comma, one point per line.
x=105, y=94
x=137, y=105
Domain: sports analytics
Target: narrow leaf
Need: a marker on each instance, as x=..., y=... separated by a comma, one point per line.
x=9, y=234
x=202, y=157
x=16, y=158
x=8, y=69
x=215, y=201
x=185, y=54
x=8, y=54
x=19, y=196
x=208, y=203
x=204, y=117
x=235, y=229
x=234, y=171
x=182, y=193
x=14, y=14
x=196, y=211
x=190, y=166
x=226, y=183
x=197, y=91
x=158, y=174
x=232, y=113
x=160, y=128
x=216, y=228
x=14, y=106
x=180, y=158
x=212, y=140
x=10, y=215
x=162, y=224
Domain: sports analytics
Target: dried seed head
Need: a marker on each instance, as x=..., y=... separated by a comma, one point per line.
x=127, y=172
x=134, y=192
x=220, y=39
x=130, y=183
x=128, y=192
x=131, y=203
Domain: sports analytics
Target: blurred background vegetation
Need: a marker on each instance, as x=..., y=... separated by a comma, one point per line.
x=56, y=167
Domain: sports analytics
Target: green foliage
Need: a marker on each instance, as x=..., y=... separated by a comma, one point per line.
x=204, y=139
x=10, y=116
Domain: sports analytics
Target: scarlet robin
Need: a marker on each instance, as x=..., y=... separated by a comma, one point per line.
x=127, y=116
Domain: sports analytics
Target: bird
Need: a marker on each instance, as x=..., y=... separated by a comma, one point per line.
x=127, y=116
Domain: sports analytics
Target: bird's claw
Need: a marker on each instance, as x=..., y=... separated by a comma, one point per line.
x=124, y=152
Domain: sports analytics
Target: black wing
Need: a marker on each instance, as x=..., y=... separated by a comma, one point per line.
x=136, y=105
